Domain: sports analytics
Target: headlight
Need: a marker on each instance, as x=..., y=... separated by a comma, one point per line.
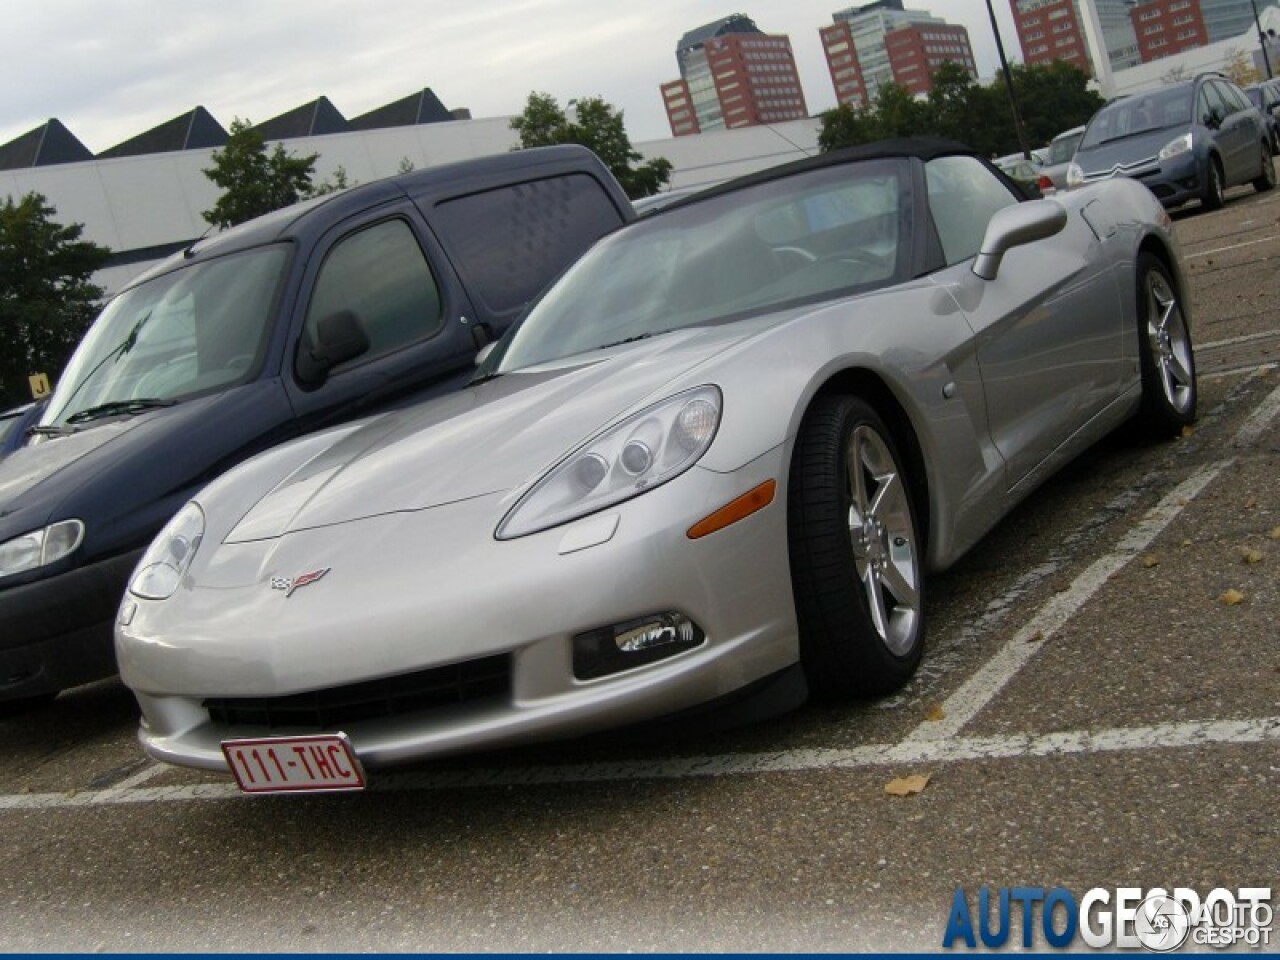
x=1176, y=148
x=1075, y=175
x=643, y=451
x=39, y=548
x=169, y=557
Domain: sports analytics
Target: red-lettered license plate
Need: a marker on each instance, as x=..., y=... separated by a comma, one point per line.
x=319, y=763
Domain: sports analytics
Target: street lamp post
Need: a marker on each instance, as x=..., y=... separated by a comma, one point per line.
x=1008, y=82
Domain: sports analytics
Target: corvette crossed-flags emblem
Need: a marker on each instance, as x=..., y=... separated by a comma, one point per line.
x=290, y=584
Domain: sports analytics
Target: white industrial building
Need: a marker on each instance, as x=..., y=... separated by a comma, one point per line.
x=145, y=205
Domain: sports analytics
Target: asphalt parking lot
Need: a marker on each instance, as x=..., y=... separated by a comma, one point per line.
x=1099, y=707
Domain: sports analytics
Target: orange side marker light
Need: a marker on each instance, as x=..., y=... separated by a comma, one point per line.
x=750, y=502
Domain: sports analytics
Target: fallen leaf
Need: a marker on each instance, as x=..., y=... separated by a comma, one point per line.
x=935, y=713
x=1275, y=533
x=1232, y=597
x=1150, y=560
x=1251, y=503
x=1250, y=555
x=1186, y=543
x=1036, y=637
x=1187, y=431
x=905, y=786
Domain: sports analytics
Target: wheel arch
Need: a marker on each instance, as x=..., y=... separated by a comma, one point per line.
x=871, y=387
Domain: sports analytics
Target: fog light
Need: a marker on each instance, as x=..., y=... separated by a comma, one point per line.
x=608, y=650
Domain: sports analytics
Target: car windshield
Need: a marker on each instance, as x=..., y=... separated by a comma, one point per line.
x=1138, y=114
x=199, y=328
x=1064, y=148
x=829, y=232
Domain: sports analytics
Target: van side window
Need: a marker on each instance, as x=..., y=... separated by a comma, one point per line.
x=507, y=243
x=963, y=197
x=382, y=276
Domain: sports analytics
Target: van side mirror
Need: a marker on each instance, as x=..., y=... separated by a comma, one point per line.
x=339, y=337
x=1015, y=226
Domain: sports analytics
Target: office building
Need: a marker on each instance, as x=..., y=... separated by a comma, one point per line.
x=882, y=42
x=1167, y=27
x=732, y=75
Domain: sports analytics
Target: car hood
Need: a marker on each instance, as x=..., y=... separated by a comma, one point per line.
x=486, y=439
x=1126, y=152
x=35, y=463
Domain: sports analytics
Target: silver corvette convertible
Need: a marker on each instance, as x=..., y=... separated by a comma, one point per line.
x=717, y=457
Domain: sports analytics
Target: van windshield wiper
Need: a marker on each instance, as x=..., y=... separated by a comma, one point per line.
x=52, y=430
x=115, y=407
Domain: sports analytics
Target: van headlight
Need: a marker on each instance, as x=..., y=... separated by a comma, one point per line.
x=643, y=451
x=1075, y=175
x=39, y=548
x=169, y=557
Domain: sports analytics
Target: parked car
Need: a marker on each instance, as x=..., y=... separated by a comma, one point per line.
x=313, y=315
x=1053, y=175
x=1186, y=141
x=1266, y=98
x=14, y=423
x=1024, y=172
x=717, y=457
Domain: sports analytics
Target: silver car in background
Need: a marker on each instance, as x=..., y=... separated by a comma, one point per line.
x=1053, y=175
x=717, y=457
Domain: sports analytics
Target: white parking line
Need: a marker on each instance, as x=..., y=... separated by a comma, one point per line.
x=1258, y=421
x=1234, y=246
x=908, y=754
x=980, y=689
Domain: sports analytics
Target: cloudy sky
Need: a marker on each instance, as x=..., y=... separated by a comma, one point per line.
x=110, y=69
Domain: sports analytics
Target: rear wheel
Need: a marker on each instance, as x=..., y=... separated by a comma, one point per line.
x=855, y=553
x=1165, y=353
x=1267, y=178
x=1214, y=192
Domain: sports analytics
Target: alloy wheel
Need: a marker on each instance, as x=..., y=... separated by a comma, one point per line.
x=884, y=548
x=1170, y=343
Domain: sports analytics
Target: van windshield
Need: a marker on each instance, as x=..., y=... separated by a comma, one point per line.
x=199, y=328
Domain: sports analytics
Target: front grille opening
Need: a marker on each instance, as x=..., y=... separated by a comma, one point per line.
x=470, y=681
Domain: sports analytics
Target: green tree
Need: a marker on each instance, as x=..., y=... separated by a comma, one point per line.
x=1052, y=97
x=337, y=182
x=254, y=180
x=599, y=127
x=47, y=297
x=847, y=126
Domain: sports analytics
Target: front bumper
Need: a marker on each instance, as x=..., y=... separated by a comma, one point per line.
x=432, y=588
x=1174, y=182
x=55, y=633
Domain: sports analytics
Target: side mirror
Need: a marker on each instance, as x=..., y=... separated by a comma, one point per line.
x=1014, y=226
x=1214, y=120
x=339, y=337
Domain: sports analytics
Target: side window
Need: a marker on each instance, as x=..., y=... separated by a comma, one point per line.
x=1228, y=94
x=511, y=242
x=382, y=276
x=963, y=197
x=1216, y=111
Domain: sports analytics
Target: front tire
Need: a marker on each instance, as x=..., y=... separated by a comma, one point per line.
x=1267, y=178
x=856, y=553
x=1165, y=353
x=1215, y=194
